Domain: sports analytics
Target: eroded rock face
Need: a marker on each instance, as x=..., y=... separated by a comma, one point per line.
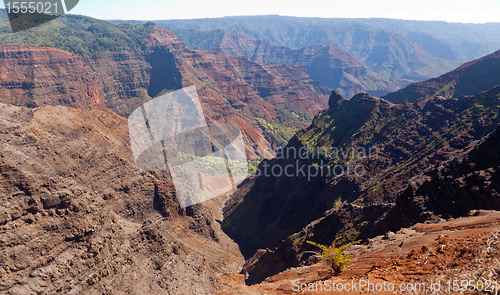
x=234, y=89
x=76, y=214
x=125, y=77
x=37, y=76
x=465, y=181
x=245, y=84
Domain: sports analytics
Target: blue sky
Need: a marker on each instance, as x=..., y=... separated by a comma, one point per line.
x=478, y=11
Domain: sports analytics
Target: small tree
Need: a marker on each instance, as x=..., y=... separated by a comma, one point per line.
x=334, y=256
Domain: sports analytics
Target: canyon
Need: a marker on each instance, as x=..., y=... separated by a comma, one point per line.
x=78, y=216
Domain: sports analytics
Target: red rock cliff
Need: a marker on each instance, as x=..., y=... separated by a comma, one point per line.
x=36, y=76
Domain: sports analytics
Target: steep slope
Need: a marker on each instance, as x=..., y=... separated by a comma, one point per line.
x=331, y=66
x=77, y=216
x=470, y=78
x=361, y=151
x=36, y=76
x=385, y=52
x=465, y=181
x=117, y=54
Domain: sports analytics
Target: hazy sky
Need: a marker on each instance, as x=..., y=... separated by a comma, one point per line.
x=478, y=11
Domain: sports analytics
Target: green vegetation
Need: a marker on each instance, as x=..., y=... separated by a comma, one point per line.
x=281, y=132
x=196, y=39
x=334, y=256
x=284, y=126
x=215, y=165
x=80, y=35
x=289, y=114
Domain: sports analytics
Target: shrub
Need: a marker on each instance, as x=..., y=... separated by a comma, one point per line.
x=336, y=258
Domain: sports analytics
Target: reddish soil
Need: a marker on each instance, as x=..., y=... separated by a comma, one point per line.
x=457, y=249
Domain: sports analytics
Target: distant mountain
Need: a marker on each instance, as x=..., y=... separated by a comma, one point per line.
x=470, y=78
x=385, y=51
x=450, y=41
x=466, y=41
x=278, y=85
x=333, y=67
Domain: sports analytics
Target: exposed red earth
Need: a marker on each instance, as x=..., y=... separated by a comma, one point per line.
x=458, y=249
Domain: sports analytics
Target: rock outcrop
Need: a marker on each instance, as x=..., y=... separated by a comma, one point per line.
x=451, y=249
x=77, y=216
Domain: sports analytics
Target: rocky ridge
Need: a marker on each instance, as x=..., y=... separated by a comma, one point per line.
x=462, y=182
x=470, y=78
x=410, y=138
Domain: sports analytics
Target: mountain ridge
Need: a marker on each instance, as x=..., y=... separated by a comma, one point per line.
x=470, y=78
x=407, y=137
x=440, y=179
x=398, y=58
x=332, y=66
